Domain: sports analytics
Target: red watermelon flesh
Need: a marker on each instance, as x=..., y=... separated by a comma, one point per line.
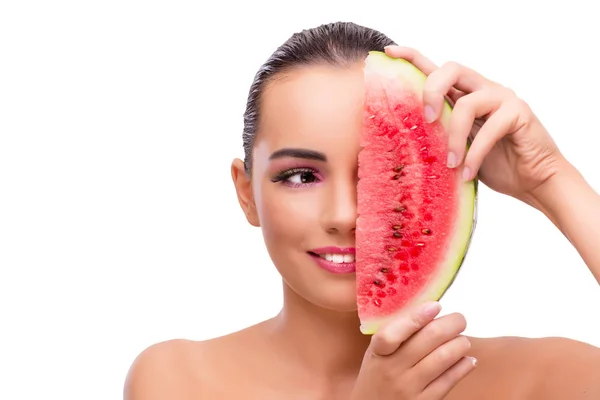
x=416, y=215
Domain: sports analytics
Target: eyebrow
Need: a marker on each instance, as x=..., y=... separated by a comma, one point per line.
x=299, y=153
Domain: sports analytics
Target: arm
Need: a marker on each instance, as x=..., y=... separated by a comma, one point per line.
x=574, y=207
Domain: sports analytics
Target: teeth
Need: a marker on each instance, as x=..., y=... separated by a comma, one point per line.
x=348, y=258
x=338, y=258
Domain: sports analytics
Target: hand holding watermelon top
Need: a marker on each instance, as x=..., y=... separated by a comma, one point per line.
x=365, y=222
x=511, y=151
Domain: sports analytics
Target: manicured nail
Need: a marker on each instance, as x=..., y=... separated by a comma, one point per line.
x=466, y=173
x=451, y=160
x=429, y=114
x=431, y=308
x=473, y=361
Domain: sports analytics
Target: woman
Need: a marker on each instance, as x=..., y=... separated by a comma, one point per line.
x=308, y=96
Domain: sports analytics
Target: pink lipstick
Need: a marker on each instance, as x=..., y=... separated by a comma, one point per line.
x=337, y=260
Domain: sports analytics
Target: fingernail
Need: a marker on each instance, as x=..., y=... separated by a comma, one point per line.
x=451, y=160
x=431, y=308
x=466, y=173
x=473, y=361
x=429, y=114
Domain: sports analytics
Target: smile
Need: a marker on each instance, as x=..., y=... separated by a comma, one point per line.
x=338, y=258
x=335, y=259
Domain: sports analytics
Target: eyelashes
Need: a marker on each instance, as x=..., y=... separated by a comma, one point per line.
x=297, y=177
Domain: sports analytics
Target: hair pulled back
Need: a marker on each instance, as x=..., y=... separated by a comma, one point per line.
x=339, y=43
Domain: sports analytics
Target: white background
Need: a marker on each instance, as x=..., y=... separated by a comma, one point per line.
x=119, y=225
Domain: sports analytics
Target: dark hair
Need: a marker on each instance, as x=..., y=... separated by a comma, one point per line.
x=339, y=43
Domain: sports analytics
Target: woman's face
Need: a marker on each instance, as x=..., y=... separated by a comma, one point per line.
x=303, y=187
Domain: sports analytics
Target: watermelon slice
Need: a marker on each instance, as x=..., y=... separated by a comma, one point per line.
x=416, y=216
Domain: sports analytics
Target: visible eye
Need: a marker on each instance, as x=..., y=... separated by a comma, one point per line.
x=302, y=177
x=297, y=177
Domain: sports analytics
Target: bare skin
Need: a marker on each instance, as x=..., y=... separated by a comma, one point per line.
x=313, y=348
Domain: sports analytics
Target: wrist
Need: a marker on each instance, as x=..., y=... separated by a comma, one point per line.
x=574, y=207
x=560, y=194
x=542, y=195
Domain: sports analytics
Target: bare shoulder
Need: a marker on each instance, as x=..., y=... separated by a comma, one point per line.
x=187, y=369
x=567, y=369
x=548, y=368
x=162, y=371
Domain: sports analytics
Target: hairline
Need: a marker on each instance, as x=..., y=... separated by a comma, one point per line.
x=284, y=74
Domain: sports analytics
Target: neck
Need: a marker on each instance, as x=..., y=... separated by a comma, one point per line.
x=325, y=342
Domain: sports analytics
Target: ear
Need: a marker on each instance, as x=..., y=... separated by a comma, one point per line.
x=243, y=187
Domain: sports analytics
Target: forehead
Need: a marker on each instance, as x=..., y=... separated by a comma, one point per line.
x=317, y=107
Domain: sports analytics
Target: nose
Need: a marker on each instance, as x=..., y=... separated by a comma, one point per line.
x=339, y=211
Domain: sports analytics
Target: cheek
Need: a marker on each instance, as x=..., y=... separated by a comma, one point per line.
x=288, y=215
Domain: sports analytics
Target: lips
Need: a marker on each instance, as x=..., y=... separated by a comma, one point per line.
x=335, y=259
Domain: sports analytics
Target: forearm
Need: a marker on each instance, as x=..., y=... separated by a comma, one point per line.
x=574, y=207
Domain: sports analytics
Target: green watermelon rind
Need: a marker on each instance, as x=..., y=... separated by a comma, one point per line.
x=403, y=70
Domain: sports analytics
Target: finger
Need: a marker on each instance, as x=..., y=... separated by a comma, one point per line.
x=442, y=385
x=424, y=64
x=441, y=81
x=430, y=337
x=413, y=56
x=467, y=109
x=499, y=124
x=439, y=360
x=390, y=336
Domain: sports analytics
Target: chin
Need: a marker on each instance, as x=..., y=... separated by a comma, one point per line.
x=337, y=295
x=333, y=292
